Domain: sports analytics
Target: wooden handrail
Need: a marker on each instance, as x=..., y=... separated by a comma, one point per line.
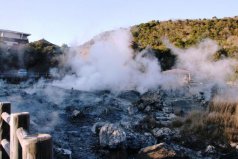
x=6, y=117
x=4, y=129
x=21, y=145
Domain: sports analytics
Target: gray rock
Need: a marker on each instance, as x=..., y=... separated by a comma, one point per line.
x=210, y=149
x=112, y=136
x=163, y=132
x=97, y=126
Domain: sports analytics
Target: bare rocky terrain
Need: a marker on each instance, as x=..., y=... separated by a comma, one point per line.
x=104, y=124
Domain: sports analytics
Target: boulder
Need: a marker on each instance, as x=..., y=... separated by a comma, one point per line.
x=112, y=136
x=150, y=101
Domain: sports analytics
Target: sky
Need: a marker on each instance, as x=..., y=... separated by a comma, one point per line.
x=76, y=21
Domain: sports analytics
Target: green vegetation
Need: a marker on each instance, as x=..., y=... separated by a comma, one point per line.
x=41, y=55
x=38, y=56
x=184, y=34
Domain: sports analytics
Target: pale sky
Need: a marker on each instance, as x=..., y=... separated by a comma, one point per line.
x=76, y=21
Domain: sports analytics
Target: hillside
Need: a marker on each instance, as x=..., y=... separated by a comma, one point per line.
x=185, y=33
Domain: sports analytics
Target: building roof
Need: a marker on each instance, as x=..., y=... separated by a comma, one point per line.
x=10, y=31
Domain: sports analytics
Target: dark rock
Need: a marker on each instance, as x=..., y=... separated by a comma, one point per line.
x=112, y=136
x=61, y=153
x=147, y=123
x=129, y=95
x=69, y=109
x=150, y=101
x=137, y=141
x=77, y=115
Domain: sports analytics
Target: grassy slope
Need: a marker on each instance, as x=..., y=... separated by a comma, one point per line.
x=185, y=33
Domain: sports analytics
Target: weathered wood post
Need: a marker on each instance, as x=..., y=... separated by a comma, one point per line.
x=44, y=147
x=35, y=146
x=4, y=128
x=17, y=120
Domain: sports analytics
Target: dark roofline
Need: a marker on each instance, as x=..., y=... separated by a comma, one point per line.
x=10, y=31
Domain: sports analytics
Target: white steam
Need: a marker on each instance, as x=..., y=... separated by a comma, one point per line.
x=109, y=63
x=199, y=61
x=205, y=72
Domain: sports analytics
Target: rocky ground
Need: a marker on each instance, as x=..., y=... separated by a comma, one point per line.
x=102, y=124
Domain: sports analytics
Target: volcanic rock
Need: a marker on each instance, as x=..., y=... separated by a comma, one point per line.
x=137, y=141
x=150, y=101
x=112, y=136
x=163, y=133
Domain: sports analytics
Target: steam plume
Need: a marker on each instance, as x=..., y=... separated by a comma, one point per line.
x=206, y=72
x=109, y=63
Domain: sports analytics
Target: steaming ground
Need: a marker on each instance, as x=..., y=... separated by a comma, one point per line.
x=108, y=63
x=52, y=110
x=69, y=115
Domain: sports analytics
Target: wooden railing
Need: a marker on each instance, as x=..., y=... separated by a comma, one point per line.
x=14, y=138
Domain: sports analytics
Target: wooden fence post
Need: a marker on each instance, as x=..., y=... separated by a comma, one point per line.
x=44, y=147
x=4, y=128
x=35, y=146
x=17, y=120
